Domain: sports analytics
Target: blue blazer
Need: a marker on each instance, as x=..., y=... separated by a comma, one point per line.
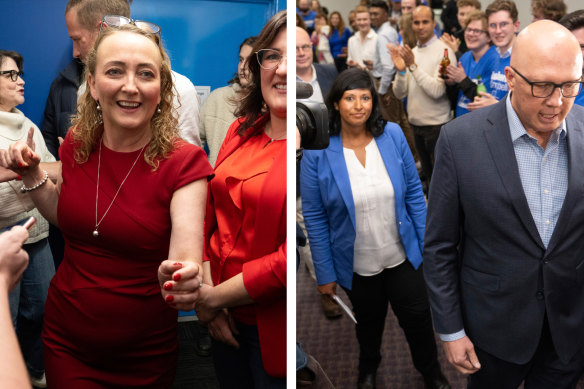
x=329, y=210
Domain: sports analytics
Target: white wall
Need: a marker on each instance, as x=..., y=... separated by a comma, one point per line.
x=523, y=6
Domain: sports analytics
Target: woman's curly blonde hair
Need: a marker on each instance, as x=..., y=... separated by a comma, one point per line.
x=87, y=127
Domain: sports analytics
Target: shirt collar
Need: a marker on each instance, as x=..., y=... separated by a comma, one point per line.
x=517, y=129
x=429, y=42
x=313, y=76
x=505, y=54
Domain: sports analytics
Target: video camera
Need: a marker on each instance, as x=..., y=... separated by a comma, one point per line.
x=311, y=119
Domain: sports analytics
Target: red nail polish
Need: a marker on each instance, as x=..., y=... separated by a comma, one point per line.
x=31, y=154
x=20, y=164
x=167, y=286
x=177, y=264
x=176, y=277
x=169, y=298
x=18, y=177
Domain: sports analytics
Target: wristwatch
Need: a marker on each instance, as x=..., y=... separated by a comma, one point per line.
x=412, y=67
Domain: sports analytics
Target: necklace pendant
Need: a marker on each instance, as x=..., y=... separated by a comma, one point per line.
x=95, y=233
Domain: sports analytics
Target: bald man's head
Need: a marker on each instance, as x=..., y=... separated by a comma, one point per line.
x=303, y=51
x=544, y=52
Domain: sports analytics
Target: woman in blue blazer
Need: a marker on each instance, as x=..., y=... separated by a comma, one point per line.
x=365, y=215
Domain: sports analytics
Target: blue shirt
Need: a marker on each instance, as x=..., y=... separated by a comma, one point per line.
x=484, y=68
x=498, y=86
x=337, y=42
x=308, y=19
x=543, y=172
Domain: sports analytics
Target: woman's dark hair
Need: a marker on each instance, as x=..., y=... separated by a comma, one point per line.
x=14, y=55
x=350, y=79
x=252, y=104
x=247, y=41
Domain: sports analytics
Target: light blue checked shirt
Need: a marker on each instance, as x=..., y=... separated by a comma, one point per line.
x=544, y=177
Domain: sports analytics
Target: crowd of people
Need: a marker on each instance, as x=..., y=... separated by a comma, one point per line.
x=145, y=225
x=476, y=122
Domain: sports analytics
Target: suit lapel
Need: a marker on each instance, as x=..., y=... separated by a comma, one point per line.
x=575, y=138
x=336, y=159
x=500, y=145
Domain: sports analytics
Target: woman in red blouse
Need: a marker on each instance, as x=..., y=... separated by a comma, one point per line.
x=245, y=228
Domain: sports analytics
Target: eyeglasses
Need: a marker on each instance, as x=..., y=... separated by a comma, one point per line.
x=304, y=48
x=501, y=25
x=269, y=59
x=119, y=21
x=547, y=88
x=14, y=74
x=475, y=31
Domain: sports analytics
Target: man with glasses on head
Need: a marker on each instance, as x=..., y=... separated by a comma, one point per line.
x=503, y=244
x=83, y=19
x=503, y=26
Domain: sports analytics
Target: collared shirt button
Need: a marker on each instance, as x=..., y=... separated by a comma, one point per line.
x=547, y=222
x=546, y=191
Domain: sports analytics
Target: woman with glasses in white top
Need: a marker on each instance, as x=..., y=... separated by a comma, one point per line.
x=365, y=216
x=130, y=200
x=245, y=228
x=27, y=301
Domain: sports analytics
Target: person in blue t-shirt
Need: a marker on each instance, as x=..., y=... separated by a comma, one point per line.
x=303, y=9
x=478, y=61
x=503, y=27
x=574, y=22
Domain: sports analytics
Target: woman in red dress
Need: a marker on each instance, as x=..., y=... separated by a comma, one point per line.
x=130, y=201
x=245, y=229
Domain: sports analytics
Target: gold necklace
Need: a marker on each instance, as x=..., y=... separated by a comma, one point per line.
x=97, y=223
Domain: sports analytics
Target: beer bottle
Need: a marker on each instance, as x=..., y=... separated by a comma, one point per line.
x=444, y=64
x=480, y=87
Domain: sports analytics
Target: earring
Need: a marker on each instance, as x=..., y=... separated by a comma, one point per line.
x=158, y=110
x=99, y=112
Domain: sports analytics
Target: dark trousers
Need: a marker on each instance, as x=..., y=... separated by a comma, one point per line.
x=404, y=288
x=544, y=371
x=425, y=138
x=243, y=368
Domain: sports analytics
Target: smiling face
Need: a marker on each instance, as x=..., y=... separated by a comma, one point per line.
x=335, y=20
x=273, y=81
x=11, y=92
x=242, y=72
x=502, y=30
x=423, y=24
x=355, y=107
x=363, y=22
x=126, y=81
x=378, y=16
x=474, y=39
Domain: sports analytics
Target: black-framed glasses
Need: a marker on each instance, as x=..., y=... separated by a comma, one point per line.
x=269, y=58
x=14, y=74
x=118, y=21
x=543, y=89
x=475, y=31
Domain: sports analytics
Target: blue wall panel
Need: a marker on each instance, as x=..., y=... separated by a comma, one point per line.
x=202, y=38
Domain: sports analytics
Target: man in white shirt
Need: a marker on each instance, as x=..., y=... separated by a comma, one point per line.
x=362, y=45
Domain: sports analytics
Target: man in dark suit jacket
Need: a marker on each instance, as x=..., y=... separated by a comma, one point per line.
x=503, y=255
x=321, y=77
